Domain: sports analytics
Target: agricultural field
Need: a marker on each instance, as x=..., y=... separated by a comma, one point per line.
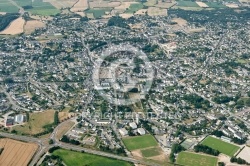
x=8, y=7
x=98, y=13
x=202, y=4
x=193, y=159
x=38, y=7
x=36, y=123
x=221, y=146
x=134, y=8
x=151, y=2
x=16, y=152
x=15, y=27
x=71, y=158
x=154, y=11
x=59, y=4
x=215, y=5
x=187, y=3
x=81, y=5
x=103, y=4
x=32, y=25
x=139, y=142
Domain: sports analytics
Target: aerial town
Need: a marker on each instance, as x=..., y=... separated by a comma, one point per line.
x=144, y=85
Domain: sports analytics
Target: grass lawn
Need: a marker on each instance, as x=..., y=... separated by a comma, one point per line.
x=36, y=122
x=71, y=158
x=221, y=146
x=134, y=8
x=150, y=152
x=6, y=6
x=139, y=142
x=192, y=159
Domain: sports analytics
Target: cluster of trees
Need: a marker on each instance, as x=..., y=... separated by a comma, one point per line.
x=176, y=148
x=238, y=160
x=6, y=19
x=197, y=101
x=150, y=48
x=206, y=149
x=118, y=21
x=147, y=126
x=56, y=118
x=51, y=150
x=239, y=141
x=222, y=99
x=66, y=139
x=214, y=16
x=193, y=127
x=119, y=151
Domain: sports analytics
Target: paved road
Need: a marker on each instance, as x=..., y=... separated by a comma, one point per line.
x=43, y=149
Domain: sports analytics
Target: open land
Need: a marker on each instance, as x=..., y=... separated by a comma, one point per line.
x=72, y=158
x=221, y=146
x=36, y=122
x=244, y=154
x=193, y=159
x=16, y=152
x=81, y=5
x=64, y=128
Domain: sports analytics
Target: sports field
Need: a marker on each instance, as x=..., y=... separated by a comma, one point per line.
x=221, y=146
x=150, y=152
x=139, y=142
x=193, y=159
x=72, y=158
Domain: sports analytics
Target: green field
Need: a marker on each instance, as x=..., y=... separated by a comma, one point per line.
x=8, y=7
x=72, y=158
x=139, y=142
x=192, y=159
x=98, y=12
x=150, y=152
x=215, y=5
x=221, y=146
x=187, y=4
x=38, y=7
x=134, y=8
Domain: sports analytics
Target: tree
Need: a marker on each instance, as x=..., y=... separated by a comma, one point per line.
x=56, y=118
x=221, y=164
x=51, y=141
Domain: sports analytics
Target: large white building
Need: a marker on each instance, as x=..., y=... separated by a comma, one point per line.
x=123, y=131
x=141, y=131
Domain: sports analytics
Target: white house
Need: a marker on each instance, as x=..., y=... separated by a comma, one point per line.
x=133, y=125
x=141, y=131
x=123, y=131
